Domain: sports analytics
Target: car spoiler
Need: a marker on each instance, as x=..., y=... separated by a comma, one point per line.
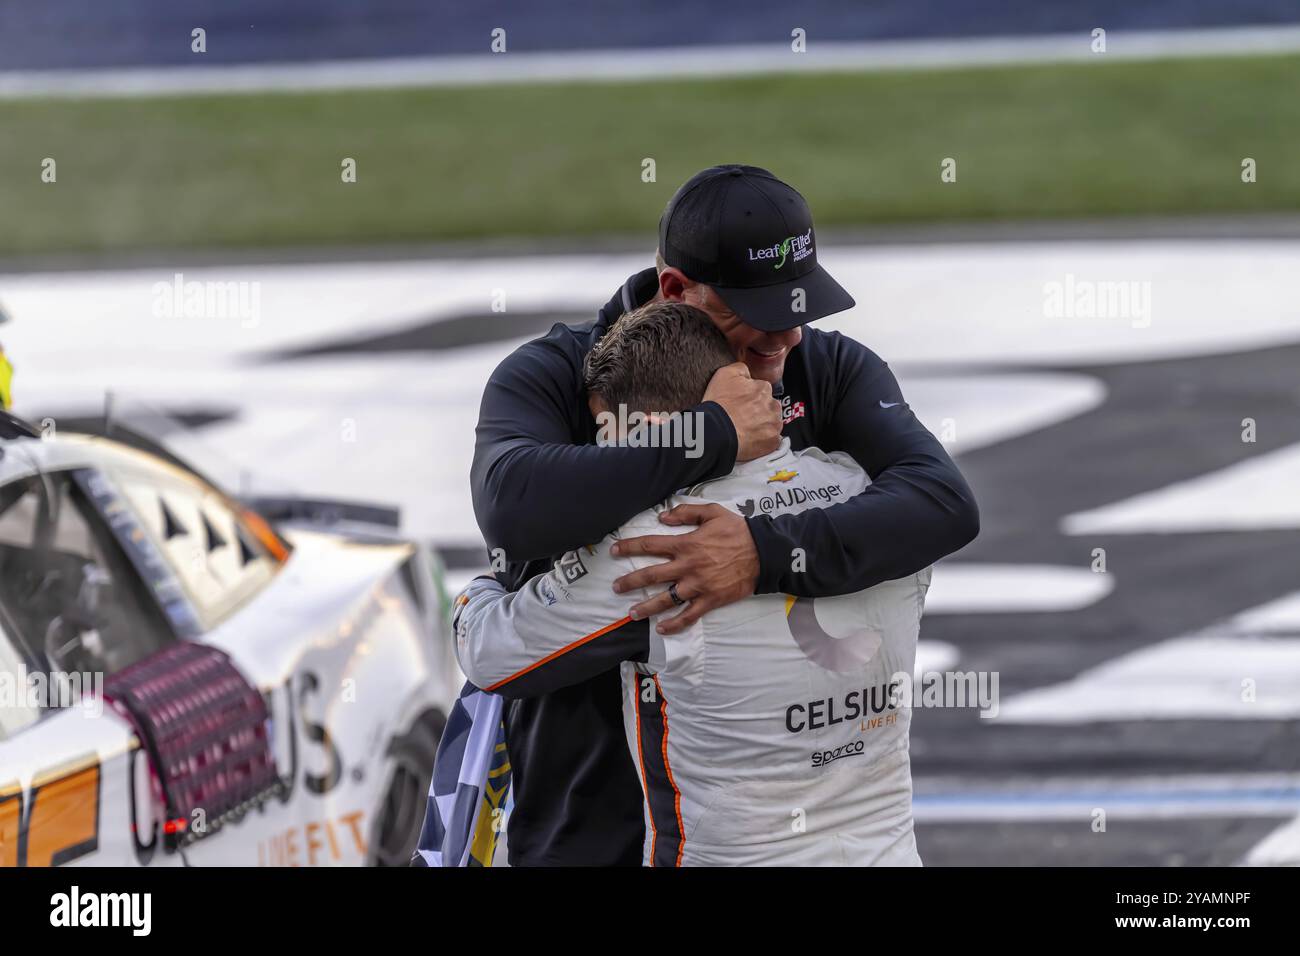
x=276, y=509
x=323, y=511
x=11, y=426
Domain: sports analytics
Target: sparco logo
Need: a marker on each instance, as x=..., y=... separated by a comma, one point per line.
x=822, y=757
x=794, y=248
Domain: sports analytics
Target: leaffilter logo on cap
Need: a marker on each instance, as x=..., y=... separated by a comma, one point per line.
x=801, y=246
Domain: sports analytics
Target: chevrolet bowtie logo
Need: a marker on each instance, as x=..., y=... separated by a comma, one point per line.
x=785, y=474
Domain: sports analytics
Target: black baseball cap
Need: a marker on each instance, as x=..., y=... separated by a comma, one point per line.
x=750, y=236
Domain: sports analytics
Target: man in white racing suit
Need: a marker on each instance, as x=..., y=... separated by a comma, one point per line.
x=773, y=731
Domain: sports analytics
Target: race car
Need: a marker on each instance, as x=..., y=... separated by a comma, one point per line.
x=185, y=682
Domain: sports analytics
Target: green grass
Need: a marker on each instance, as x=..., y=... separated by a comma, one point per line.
x=1083, y=140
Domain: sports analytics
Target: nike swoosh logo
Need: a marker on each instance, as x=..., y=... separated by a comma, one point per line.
x=889, y=404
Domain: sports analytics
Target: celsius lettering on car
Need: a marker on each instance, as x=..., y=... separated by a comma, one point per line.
x=843, y=655
x=319, y=784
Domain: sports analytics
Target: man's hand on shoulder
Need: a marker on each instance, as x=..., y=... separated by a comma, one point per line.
x=749, y=404
x=712, y=566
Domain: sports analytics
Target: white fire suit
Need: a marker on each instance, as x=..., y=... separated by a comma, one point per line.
x=774, y=730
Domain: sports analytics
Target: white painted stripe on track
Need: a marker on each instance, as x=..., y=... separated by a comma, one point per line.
x=934, y=656
x=950, y=800
x=972, y=411
x=995, y=304
x=1279, y=848
x=990, y=306
x=1276, y=617
x=1258, y=494
x=969, y=588
x=639, y=64
x=1233, y=671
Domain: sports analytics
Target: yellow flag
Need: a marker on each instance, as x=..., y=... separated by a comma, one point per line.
x=6, y=381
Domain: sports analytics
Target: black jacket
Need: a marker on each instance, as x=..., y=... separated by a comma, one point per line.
x=541, y=487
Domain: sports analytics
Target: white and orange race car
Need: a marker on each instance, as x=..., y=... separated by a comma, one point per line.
x=186, y=679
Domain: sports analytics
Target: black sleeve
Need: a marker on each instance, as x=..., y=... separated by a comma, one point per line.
x=917, y=509
x=537, y=493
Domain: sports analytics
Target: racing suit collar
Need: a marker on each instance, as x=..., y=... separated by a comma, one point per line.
x=766, y=463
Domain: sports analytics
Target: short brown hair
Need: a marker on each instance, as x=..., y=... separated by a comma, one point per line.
x=658, y=358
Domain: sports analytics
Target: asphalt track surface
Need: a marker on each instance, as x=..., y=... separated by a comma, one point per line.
x=84, y=34
x=1167, y=842
x=1153, y=430
x=1193, y=785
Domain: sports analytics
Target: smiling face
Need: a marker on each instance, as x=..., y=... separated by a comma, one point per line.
x=764, y=352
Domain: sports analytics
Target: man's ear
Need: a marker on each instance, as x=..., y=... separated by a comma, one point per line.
x=673, y=283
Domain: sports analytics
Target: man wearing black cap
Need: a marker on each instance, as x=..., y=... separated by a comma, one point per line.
x=739, y=244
